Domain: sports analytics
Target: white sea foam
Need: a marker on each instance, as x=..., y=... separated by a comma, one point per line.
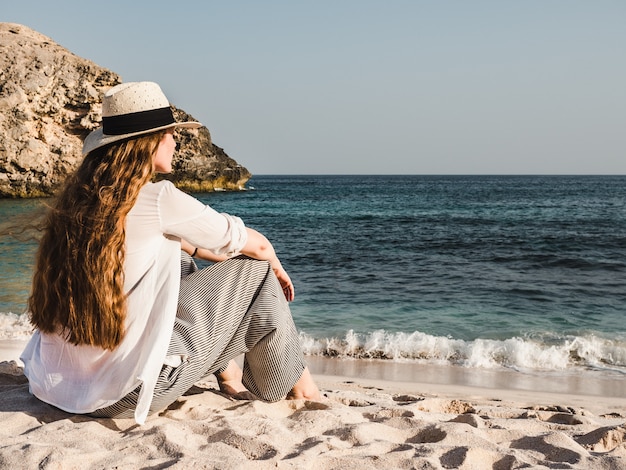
x=559, y=353
x=547, y=352
x=14, y=326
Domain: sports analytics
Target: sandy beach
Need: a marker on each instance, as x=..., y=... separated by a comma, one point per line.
x=363, y=422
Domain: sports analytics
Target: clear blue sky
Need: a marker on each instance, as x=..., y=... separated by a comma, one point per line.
x=359, y=86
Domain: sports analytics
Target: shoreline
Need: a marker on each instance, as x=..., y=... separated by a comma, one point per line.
x=418, y=376
x=590, y=383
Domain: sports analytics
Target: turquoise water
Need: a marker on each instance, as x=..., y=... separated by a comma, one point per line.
x=522, y=272
x=16, y=252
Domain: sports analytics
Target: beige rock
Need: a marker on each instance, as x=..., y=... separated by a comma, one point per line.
x=50, y=100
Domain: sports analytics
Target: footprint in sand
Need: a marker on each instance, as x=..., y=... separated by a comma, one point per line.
x=603, y=439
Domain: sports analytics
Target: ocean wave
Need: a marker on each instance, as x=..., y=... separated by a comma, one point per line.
x=538, y=352
x=14, y=326
x=547, y=352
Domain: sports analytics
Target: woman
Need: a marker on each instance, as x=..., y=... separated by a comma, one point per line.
x=125, y=323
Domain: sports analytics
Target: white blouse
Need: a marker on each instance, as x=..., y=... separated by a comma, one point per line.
x=81, y=379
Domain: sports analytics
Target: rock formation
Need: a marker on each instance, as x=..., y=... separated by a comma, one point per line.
x=50, y=100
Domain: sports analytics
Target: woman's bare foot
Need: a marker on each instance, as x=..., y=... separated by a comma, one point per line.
x=230, y=382
x=305, y=388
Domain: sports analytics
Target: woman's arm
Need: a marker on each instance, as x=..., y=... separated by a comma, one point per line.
x=201, y=252
x=257, y=247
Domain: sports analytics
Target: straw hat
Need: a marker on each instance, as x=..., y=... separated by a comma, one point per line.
x=132, y=109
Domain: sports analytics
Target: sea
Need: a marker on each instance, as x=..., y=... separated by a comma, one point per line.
x=524, y=274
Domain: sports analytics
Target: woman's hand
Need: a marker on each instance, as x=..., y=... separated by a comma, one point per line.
x=259, y=247
x=284, y=279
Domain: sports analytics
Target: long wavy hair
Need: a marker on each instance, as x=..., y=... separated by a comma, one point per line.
x=78, y=283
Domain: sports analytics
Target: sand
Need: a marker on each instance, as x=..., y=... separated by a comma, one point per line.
x=361, y=423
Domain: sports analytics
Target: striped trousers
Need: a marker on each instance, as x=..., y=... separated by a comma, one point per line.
x=227, y=309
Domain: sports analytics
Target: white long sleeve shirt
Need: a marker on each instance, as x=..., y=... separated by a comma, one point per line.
x=81, y=379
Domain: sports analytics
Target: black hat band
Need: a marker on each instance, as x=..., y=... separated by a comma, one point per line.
x=137, y=122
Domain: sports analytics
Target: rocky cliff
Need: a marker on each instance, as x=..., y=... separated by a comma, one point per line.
x=50, y=100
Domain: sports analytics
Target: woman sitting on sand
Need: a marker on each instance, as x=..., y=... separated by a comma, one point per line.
x=125, y=322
